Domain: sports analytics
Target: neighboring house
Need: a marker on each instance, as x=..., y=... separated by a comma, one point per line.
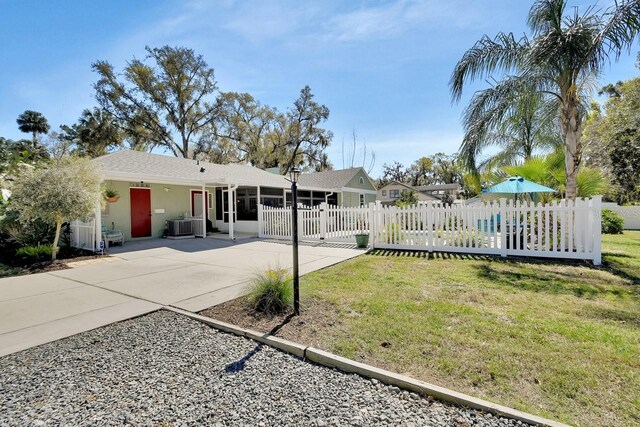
x=347, y=187
x=440, y=190
x=156, y=188
x=392, y=191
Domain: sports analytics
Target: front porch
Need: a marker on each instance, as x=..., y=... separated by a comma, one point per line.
x=147, y=210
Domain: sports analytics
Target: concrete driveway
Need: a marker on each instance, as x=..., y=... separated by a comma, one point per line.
x=138, y=278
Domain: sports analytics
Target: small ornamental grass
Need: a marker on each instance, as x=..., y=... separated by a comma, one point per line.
x=271, y=291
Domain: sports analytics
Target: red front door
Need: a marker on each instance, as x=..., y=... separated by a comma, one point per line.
x=140, y=212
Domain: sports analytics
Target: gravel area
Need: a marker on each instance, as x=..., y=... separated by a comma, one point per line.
x=164, y=369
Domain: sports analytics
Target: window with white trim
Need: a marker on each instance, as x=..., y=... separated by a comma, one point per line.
x=361, y=199
x=394, y=194
x=361, y=181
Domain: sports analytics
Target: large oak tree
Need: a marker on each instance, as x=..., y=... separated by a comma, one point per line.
x=168, y=98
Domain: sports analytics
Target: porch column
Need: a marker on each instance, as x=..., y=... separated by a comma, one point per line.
x=259, y=209
x=98, y=223
x=230, y=209
x=204, y=212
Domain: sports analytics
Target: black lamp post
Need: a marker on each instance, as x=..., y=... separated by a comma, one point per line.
x=294, y=173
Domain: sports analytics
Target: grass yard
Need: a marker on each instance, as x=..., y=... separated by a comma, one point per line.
x=561, y=340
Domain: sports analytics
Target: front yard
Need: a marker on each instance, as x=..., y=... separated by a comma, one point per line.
x=561, y=340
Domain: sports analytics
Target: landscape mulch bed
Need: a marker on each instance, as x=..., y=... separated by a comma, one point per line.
x=307, y=328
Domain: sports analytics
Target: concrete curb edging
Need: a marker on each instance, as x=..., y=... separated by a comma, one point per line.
x=330, y=360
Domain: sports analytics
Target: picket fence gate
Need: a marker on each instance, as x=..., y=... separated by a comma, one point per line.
x=83, y=234
x=561, y=229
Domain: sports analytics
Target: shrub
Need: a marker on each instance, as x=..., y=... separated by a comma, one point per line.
x=612, y=223
x=272, y=291
x=33, y=254
x=56, y=193
x=407, y=198
x=30, y=233
x=393, y=233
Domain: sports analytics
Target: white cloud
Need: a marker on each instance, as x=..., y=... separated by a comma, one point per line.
x=400, y=16
x=265, y=21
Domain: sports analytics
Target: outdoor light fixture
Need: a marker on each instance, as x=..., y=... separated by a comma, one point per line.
x=294, y=174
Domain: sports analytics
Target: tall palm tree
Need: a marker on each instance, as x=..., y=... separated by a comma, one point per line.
x=521, y=123
x=34, y=123
x=564, y=53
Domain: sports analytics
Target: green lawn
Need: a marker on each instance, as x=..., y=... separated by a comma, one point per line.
x=561, y=340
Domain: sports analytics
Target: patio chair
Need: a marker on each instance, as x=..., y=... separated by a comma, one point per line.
x=488, y=225
x=111, y=236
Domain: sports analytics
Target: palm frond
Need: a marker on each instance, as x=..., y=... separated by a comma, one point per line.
x=502, y=53
x=545, y=15
x=619, y=30
x=512, y=114
x=590, y=182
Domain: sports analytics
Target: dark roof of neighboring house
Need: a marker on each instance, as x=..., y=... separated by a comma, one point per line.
x=130, y=164
x=334, y=180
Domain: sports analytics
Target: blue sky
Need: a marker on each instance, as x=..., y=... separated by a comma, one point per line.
x=382, y=67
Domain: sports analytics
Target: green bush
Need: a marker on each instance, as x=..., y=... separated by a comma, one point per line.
x=612, y=223
x=272, y=291
x=393, y=233
x=33, y=254
x=27, y=233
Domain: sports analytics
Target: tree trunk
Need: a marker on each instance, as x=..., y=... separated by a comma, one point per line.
x=572, y=128
x=54, y=248
x=571, y=163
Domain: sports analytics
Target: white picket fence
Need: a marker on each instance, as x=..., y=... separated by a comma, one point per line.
x=562, y=229
x=83, y=234
x=324, y=222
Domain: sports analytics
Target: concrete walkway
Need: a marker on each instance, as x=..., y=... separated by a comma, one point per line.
x=138, y=278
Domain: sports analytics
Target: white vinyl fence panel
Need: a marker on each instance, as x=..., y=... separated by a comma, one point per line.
x=83, y=234
x=562, y=229
x=630, y=214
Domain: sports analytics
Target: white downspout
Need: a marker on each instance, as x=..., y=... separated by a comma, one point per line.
x=230, y=189
x=326, y=197
x=204, y=211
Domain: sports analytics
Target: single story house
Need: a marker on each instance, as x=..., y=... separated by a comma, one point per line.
x=391, y=192
x=154, y=189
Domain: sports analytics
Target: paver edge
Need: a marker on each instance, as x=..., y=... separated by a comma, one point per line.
x=331, y=360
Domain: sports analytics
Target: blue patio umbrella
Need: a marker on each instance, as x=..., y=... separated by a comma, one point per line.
x=518, y=185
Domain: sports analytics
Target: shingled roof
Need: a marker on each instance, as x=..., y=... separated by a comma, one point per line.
x=333, y=180
x=127, y=164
